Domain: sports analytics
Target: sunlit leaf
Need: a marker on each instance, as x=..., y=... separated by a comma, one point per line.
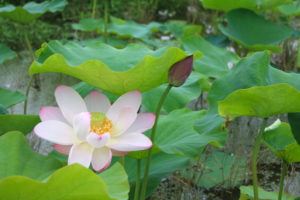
x=261, y=101
x=254, y=32
x=247, y=194
x=255, y=5
x=17, y=159
x=113, y=70
x=6, y=53
x=279, y=138
x=292, y=9
x=22, y=123
x=10, y=98
x=117, y=182
x=31, y=10
x=71, y=182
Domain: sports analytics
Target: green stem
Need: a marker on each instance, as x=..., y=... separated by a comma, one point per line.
x=122, y=161
x=284, y=169
x=137, y=181
x=106, y=19
x=152, y=137
x=27, y=95
x=28, y=44
x=94, y=9
x=254, y=158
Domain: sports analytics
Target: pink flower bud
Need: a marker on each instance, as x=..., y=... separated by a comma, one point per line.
x=180, y=71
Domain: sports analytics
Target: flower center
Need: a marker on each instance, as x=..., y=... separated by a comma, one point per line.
x=100, y=124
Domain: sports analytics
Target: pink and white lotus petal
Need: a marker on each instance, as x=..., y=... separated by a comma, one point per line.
x=98, y=141
x=69, y=102
x=81, y=153
x=56, y=132
x=81, y=125
x=130, y=142
x=51, y=113
x=125, y=119
x=132, y=99
x=63, y=149
x=118, y=153
x=101, y=158
x=97, y=102
x=143, y=122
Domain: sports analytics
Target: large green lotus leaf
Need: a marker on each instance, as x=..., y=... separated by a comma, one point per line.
x=261, y=101
x=180, y=29
x=73, y=182
x=22, y=123
x=17, y=159
x=122, y=28
x=247, y=194
x=294, y=119
x=10, y=98
x=181, y=138
x=251, y=71
x=280, y=140
x=254, y=32
x=178, y=97
x=31, y=10
x=116, y=180
x=6, y=53
x=215, y=62
x=115, y=70
x=292, y=9
x=161, y=165
x=255, y=5
x=218, y=169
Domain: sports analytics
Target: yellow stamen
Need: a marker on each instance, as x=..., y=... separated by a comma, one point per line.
x=100, y=124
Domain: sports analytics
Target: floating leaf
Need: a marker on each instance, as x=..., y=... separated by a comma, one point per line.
x=113, y=70
x=215, y=61
x=161, y=165
x=218, y=170
x=280, y=140
x=10, y=98
x=17, y=159
x=117, y=182
x=254, y=32
x=22, y=123
x=261, y=101
x=255, y=5
x=71, y=182
x=31, y=10
x=6, y=53
x=177, y=98
x=247, y=194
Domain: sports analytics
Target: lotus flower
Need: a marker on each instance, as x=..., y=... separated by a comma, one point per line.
x=91, y=130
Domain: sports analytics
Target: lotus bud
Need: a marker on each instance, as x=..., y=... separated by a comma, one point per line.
x=180, y=71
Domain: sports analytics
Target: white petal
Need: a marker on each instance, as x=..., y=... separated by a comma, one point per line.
x=98, y=141
x=69, y=102
x=81, y=153
x=97, y=102
x=51, y=113
x=63, y=149
x=56, y=132
x=143, y=122
x=125, y=119
x=118, y=153
x=101, y=158
x=130, y=99
x=130, y=142
x=81, y=125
